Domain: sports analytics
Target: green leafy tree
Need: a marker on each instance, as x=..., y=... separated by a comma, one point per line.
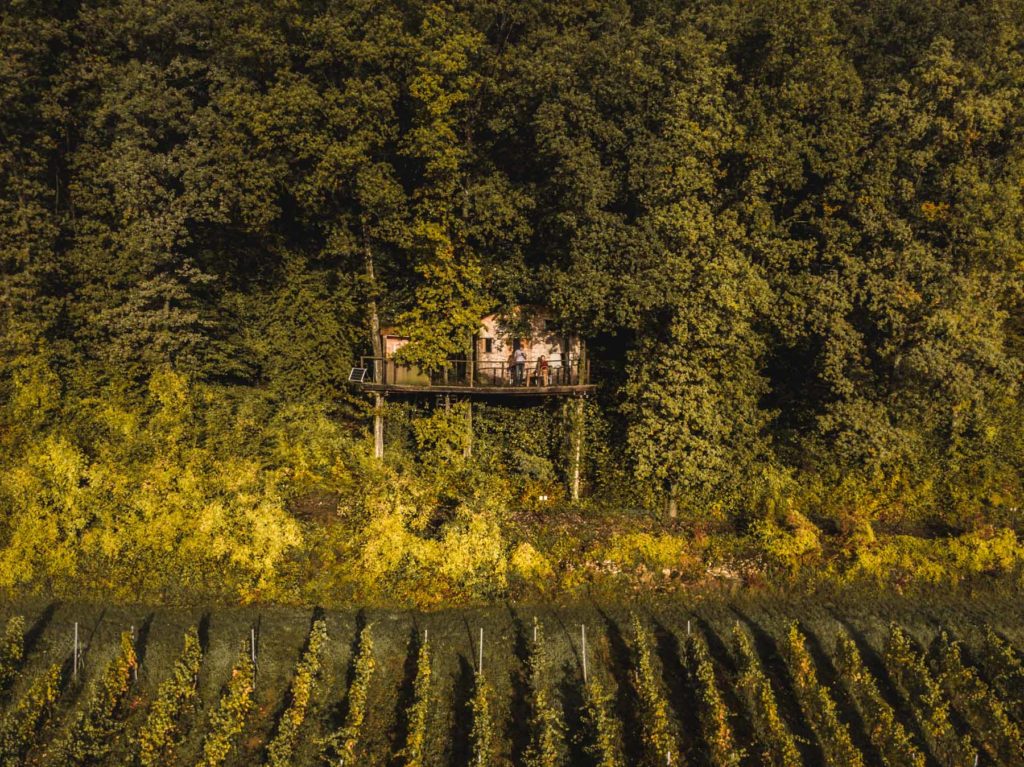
x=448, y=300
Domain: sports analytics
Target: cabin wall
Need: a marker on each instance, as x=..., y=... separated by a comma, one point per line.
x=540, y=340
x=402, y=375
x=493, y=349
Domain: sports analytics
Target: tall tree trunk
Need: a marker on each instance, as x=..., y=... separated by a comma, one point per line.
x=376, y=342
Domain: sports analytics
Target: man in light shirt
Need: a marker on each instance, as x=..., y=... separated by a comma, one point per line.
x=518, y=366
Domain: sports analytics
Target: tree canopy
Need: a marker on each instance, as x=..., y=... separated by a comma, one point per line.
x=791, y=231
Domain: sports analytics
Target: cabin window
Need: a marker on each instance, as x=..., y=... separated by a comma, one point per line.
x=488, y=345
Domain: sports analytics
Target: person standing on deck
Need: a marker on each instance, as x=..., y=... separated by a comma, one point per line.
x=518, y=366
x=541, y=373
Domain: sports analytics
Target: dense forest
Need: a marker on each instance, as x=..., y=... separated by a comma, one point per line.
x=791, y=232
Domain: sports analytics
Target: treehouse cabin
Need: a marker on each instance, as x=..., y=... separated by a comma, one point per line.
x=522, y=355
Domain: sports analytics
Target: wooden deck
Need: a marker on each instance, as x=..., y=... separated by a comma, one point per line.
x=480, y=391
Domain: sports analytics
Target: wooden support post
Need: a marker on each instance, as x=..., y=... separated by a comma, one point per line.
x=252, y=652
x=378, y=426
x=575, y=448
x=467, y=451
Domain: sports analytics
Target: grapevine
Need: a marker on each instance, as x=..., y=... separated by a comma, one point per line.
x=307, y=672
x=547, y=746
x=1005, y=671
x=606, y=745
x=818, y=706
x=659, y=738
x=777, y=742
x=176, y=700
x=228, y=720
x=714, y=715
x=343, y=743
x=483, y=735
x=885, y=731
x=12, y=650
x=906, y=666
x=20, y=727
x=985, y=713
x=91, y=734
x=416, y=743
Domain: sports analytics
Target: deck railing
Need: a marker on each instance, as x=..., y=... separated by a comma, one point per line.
x=477, y=373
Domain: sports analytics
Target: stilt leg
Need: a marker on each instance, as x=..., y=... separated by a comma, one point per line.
x=576, y=448
x=378, y=427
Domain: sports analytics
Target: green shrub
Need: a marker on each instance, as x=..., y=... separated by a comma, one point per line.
x=818, y=706
x=792, y=547
x=907, y=558
x=887, y=734
x=778, y=746
x=307, y=673
x=227, y=722
x=175, y=702
x=21, y=725
x=907, y=668
x=654, y=551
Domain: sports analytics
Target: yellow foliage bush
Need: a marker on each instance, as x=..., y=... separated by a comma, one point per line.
x=147, y=512
x=793, y=547
x=938, y=560
x=655, y=551
x=531, y=565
